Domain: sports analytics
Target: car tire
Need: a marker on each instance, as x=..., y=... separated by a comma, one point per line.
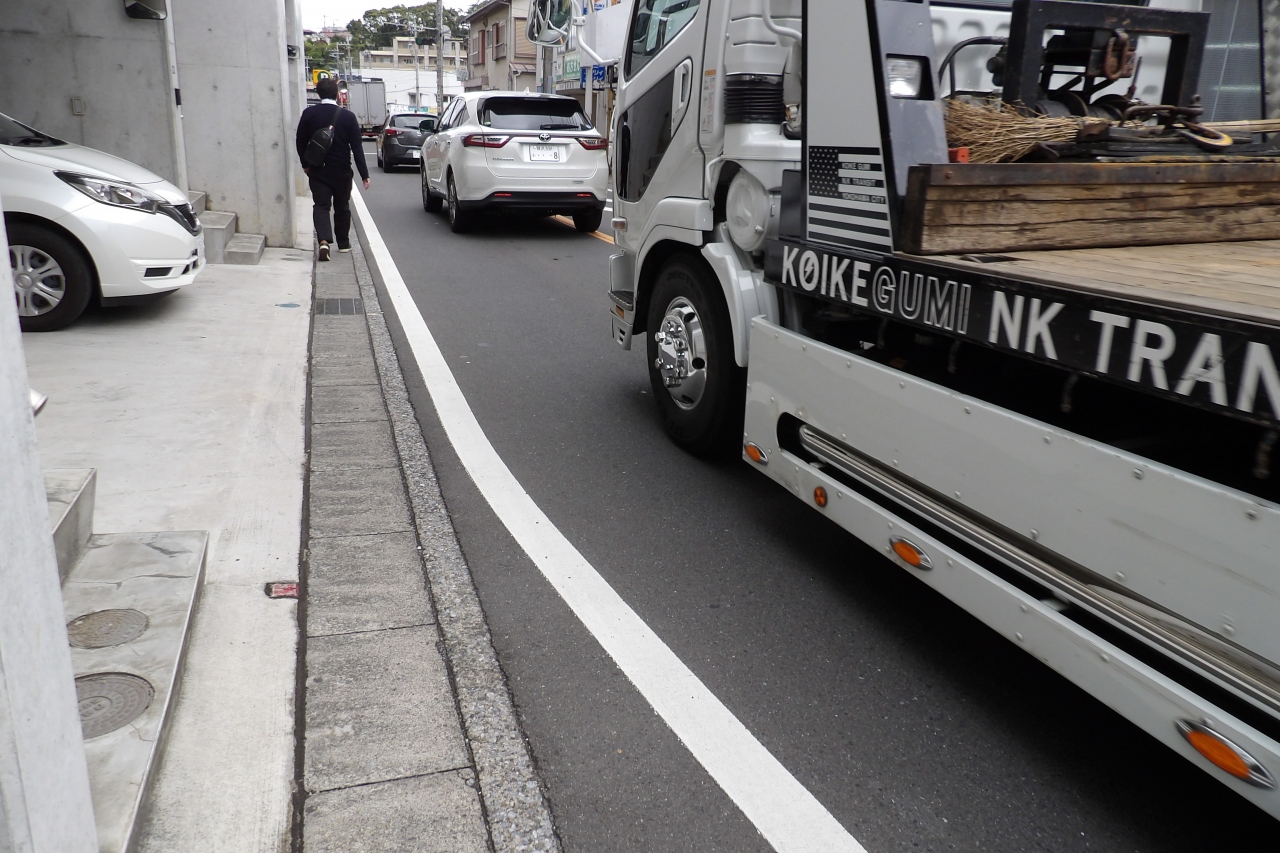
x=386, y=164
x=430, y=203
x=587, y=221
x=47, y=266
x=378, y=154
x=703, y=413
x=459, y=219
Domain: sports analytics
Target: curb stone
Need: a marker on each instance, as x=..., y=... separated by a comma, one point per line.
x=515, y=804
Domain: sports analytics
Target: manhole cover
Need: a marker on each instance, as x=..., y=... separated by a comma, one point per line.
x=104, y=628
x=111, y=700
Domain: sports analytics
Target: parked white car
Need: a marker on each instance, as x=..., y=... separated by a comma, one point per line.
x=83, y=224
x=515, y=151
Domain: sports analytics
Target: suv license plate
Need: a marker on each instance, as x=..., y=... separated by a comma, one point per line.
x=544, y=153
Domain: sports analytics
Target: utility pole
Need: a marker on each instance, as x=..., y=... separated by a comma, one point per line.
x=417, y=82
x=439, y=57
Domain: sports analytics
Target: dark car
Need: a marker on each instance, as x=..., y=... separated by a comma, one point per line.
x=401, y=137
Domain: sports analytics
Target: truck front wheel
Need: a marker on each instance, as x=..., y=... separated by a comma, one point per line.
x=698, y=386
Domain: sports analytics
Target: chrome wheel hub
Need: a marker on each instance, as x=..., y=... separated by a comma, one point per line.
x=682, y=354
x=38, y=281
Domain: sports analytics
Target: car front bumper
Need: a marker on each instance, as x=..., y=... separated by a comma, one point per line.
x=136, y=254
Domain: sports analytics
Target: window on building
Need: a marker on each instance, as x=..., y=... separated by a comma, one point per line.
x=499, y=41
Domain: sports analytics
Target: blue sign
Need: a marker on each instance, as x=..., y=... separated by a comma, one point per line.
x=597, y=73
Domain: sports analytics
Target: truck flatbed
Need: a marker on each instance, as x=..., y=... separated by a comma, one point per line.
x=1236, y=280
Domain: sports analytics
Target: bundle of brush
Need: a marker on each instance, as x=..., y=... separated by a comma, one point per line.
x=1000, y=133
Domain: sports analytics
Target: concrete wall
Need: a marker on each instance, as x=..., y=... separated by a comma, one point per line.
x=120, y=69
x=297, y=81
x=238, y=119
x=44, y=780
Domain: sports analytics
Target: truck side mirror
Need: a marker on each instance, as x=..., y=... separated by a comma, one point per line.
x=548, y=22
x=147, y=10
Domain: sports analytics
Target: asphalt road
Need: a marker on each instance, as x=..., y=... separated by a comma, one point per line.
x=916, y=726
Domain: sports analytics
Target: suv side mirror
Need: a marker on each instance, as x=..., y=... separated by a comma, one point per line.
x=427, y=125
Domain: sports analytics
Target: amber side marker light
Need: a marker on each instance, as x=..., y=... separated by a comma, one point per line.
x=910, y=553
x=755, y=454
x=1224, y=754
x=820, y=496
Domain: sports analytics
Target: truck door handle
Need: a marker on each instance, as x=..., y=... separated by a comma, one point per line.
x=683, y=91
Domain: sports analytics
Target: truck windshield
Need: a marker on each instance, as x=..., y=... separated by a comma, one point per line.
x=533, y=114
x=16, y=133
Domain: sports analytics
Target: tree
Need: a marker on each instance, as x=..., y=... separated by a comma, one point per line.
x=377, y=27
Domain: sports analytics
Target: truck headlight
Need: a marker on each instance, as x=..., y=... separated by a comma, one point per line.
x=116, y=193
x=908, y=77
x=749, y=212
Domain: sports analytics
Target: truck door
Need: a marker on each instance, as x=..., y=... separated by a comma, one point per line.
x=657, y=129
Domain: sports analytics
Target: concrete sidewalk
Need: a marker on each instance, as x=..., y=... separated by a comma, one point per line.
x=369, y=715
x=192, y=411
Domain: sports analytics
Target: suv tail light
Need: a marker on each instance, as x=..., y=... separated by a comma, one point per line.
x=593, y=143
x=484, y=140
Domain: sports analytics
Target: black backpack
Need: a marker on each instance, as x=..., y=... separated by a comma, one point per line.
x=321, y=142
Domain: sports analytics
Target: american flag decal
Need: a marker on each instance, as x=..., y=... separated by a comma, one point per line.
x=848, y=202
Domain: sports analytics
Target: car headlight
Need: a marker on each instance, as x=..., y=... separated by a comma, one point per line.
x=116, y=193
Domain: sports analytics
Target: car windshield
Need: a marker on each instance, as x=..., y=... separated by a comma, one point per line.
x=409, y=122
x=533, y=114
x=16, y=133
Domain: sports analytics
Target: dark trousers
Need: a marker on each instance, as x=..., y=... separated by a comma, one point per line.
x=331, y=192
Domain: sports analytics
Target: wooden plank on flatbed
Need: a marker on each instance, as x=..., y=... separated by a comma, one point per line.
x=1040, y=206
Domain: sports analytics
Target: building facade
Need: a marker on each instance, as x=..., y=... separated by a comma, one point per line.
x=499, y=56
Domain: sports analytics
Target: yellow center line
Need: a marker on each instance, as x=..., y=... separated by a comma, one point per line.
x=564, y=220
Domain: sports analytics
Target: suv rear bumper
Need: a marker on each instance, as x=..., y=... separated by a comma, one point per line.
x=548, y=202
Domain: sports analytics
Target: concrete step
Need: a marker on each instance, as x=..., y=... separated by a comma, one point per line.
x=219, y=228
x=199, y=200
x=128, y=663
x=70, y=493
x=244, y=249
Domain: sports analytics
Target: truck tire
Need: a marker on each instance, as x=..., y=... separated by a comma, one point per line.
x=51, y=278
x=699, y=388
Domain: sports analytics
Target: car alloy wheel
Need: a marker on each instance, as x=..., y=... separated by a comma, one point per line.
x=459, y=221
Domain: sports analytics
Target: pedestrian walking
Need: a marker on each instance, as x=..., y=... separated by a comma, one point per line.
x=331, y=180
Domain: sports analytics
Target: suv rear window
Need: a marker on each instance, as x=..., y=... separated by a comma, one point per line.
x=533, y=114
x=409, y=122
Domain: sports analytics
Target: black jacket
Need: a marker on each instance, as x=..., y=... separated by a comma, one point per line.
x=346, y=140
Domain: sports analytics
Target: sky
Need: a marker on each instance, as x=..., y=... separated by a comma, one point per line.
x=320, y=13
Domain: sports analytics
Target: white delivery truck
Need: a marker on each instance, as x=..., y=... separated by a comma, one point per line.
x=368, y=100
x=1050, y=388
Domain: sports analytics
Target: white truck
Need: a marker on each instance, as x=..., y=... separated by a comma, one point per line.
x=1049, y=389
x=368, y=100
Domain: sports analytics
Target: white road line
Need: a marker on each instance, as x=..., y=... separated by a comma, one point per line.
x=789, y=817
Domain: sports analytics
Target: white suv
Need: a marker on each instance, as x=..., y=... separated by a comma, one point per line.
x=82, y=223
x=516, y=151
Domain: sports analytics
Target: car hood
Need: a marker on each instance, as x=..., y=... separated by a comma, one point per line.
x=88, y=161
